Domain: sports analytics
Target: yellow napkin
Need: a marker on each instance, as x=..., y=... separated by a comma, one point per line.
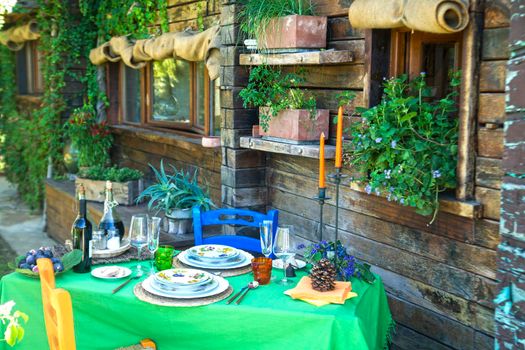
x=305, y=292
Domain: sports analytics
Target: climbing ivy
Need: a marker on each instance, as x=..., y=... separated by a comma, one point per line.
x=34, y=138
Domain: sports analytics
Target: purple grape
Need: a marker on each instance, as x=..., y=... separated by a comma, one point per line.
x=35, y=269
x=30, y=260
x=58, y=267
x=32, y=251
x=48, y=254
x=24, y=266
x=55, y=260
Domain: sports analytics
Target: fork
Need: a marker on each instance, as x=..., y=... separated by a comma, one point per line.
x=138, y=275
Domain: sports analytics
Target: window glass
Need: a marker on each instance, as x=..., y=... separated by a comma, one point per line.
x=201, y=99
x=22, y=71
x=215, y=107
x=131, y=94
x=171, y=91
x=438, y=61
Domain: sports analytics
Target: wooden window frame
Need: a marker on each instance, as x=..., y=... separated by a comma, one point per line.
x=32, y=66
x=406, y=50
x=146, y=93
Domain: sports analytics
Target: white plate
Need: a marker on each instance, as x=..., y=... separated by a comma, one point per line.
x=178, y=292
x=213, y=252
x=223, y=285
x=240, y=259
x=111, y=272
x=278, y=263
x=203, y=265
x=107, y=253
x=182, y=277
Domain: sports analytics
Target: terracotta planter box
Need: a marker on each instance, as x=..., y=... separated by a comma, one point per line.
x=297, y=125
x=295, y=32
x=123, y=192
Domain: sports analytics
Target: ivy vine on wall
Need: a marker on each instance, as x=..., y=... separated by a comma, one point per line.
x=34, y=135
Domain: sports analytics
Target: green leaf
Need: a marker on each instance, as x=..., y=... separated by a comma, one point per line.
x=408, y=116
x=11, y=334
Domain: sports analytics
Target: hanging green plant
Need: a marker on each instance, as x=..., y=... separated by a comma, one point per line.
x=406, y=147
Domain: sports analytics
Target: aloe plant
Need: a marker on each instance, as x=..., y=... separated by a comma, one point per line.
x=179, y=190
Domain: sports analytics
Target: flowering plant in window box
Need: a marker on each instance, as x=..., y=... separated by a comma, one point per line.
x=406, y=146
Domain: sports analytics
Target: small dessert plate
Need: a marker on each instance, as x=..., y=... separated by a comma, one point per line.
x=296, y=263
x=111, y=272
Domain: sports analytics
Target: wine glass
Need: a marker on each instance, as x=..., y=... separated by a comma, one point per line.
x=138, y=232
x=153, y=238
x=284, y=249
x=266, y=230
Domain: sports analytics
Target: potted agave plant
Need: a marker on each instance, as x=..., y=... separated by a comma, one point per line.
x=283, y=24
x=286, y=113
x=176, y=194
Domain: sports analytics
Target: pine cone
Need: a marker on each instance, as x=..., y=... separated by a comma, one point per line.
x=323, y=276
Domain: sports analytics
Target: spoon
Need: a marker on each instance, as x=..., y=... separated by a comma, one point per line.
x=251, y=285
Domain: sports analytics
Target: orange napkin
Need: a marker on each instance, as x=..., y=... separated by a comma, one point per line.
x=305, y=292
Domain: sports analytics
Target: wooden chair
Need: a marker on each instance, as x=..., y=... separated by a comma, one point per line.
x=231, y=217
x=58, y=312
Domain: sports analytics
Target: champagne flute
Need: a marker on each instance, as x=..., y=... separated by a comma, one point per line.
x=153, y=238
x=138, y=232
x=266, y=230
x=284, y=249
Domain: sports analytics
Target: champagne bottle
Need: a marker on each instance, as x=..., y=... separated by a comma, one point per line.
x=81, y=233
x=111, y=220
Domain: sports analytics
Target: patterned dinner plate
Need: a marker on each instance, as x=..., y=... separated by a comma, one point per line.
x=213, y=252
x=183, y=277
x=244, y=259
x=222, y=285
x=177, y=291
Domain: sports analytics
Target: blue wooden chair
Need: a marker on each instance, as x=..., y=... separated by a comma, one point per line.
x=231, y=217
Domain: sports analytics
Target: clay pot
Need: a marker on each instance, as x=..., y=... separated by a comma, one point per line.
x=297, y=125
x=294, y=32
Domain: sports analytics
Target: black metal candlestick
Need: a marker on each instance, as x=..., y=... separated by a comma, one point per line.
x=337, y=179
x=321, y=198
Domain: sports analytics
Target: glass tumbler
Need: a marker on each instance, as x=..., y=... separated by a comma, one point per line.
x=164, y=257
x=262, y=270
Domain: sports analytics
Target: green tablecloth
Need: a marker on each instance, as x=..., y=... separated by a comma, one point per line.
x=266, y=319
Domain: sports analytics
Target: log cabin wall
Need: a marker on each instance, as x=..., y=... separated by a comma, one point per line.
x=137, y=147
x=441, y=279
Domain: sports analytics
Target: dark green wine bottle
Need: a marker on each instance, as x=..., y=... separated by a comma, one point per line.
x=81, y=233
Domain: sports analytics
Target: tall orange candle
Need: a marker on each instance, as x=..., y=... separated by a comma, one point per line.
x=321, y=162
x=339, y=140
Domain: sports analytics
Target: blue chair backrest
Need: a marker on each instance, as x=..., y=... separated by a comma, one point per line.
x=239, y=217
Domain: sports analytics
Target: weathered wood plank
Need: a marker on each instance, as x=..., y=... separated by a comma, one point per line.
x=495, y=44
x=492, y=76
x=487, y=233
x=491, y=108
x=490, y=143
x=299, y=58
x=333, y=77
x=407, y=339
x=339, y=28
x=490, y=199
x=489, y=172
x=357, y=47
x=193, y=10
x=497, y=13
x=309, y=151
x=331, y=8
x=449, y=332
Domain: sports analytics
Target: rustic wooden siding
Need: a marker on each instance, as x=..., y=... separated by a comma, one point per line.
x=440, y=279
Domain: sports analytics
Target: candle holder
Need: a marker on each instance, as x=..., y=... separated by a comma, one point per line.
x=321, y=198
x=337, y=177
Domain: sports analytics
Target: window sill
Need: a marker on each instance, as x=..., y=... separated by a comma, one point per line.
x=154, y=135
x=298, y=58
x=308, y=151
